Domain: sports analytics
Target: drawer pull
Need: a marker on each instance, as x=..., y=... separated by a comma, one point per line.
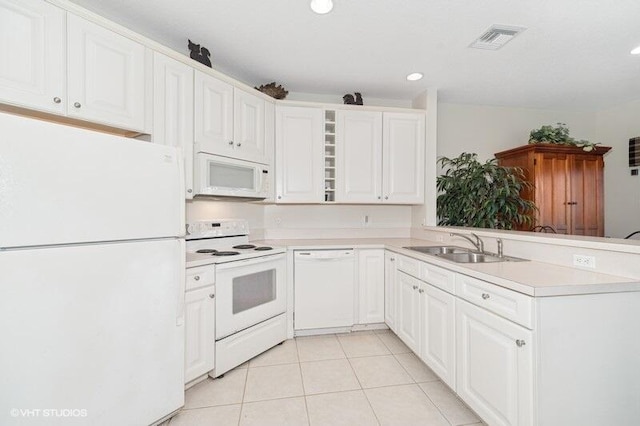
x=485, y=296
x=197, y=278
x=520, y=343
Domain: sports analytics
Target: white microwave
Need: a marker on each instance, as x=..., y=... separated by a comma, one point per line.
x=228, y=177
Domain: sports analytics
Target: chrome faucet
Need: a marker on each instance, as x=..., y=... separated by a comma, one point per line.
x=478, y=244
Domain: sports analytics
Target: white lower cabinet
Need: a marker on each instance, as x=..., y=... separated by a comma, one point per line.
x=437, y=332
x=199, y=314
x=390, y=292
x=494, y=366
x=408, y=303
x=371, y=286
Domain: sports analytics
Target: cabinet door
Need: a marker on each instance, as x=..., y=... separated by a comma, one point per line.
x=173, y=110
x=213, y=115
x=371, y=286
x=390, y=292
x=437, y=332
x=248, y=134
x=408, y=304
x=106, y=76
x=552, y=191
x=358, y=156
x=33, y=55
x=299, y=145
x=494, y=366
x=199, y=332
x=403, y=158
x=587, y=195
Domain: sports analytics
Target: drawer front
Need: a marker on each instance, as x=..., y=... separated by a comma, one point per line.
x=201, y=276
x=438, y=277
x=508, y=304
x=409, y=266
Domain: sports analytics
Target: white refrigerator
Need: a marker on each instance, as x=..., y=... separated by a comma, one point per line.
x=91, y=277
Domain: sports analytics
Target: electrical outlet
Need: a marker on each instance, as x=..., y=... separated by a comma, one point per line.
x=584, y=261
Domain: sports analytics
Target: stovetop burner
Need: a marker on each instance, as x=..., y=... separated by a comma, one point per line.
x=206, y=251
x=225, y=253
x=244, y=246
x=263, y=248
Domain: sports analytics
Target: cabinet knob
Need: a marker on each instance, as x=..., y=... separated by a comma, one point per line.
x=379, y=197
x=197, y=278
x=231, y=143
x=77, y=104
x=485, y=296
x=386, y=197
x=189, y=191
x=211, y=296
x=57, y=100
x=415, y=287
x=393, y=259
x=279, y=197
x=421, y=290
x=239, y=144
x=520, y=343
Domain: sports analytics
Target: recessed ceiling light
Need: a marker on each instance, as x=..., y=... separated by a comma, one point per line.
x=415, y=76
x=321, y=6
x=636, y=51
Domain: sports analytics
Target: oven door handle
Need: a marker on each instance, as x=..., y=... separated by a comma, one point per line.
x=247, y=262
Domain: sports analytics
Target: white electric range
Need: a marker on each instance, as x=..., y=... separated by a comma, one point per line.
x=250, y=288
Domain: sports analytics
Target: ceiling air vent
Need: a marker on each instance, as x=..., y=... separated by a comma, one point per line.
x=496, y=37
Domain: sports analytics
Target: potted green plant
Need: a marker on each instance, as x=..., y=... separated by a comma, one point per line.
x=558, y=135
x=482, y=195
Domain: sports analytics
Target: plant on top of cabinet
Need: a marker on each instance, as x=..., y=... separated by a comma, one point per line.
x=558, y=135
x=481, y=195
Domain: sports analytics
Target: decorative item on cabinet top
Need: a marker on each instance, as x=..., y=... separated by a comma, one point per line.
x=276, y=92
x=350, y=100
x=200, y=54
x=559, y=135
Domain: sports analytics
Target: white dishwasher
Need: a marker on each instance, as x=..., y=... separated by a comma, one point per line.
x=324, y=287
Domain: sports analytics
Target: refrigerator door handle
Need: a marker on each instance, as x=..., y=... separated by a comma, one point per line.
x=182, y=287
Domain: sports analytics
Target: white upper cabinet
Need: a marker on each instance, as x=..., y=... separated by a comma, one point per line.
x=358, y=156
x=106, y=76
x=248, y=134
x=57, y=62
x=403, y=158
x=229, y=121
x=33, y=55
x=379, y=157
x=299, y=157
x=213, y=115
x=173, y=110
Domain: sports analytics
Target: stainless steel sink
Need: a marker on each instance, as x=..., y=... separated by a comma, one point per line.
x=472, y=257
x=437, y=250
x=462, y=255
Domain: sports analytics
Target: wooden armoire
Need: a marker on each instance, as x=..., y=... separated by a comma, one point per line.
x=568, y=185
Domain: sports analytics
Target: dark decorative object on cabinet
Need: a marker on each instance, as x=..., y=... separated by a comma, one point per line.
x=276, y=92
x=350, y=100
x=200, y=54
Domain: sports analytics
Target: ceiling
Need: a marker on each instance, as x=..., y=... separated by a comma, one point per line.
x=573, y=55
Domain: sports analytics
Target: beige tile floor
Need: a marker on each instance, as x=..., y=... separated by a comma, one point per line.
x=362, y=378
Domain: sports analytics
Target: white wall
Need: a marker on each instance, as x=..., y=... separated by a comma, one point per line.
x=615, y=126
x=336, y=221
x=204, y=209
x=486, y=130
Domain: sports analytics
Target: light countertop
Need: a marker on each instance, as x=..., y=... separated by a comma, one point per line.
x=532, y=278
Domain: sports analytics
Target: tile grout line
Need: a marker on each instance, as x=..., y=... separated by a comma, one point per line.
x=359, y=383
x=304, y=392
x=244, y=391
x=435, y=405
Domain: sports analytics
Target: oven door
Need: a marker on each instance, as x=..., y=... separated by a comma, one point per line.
x=248, y=292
